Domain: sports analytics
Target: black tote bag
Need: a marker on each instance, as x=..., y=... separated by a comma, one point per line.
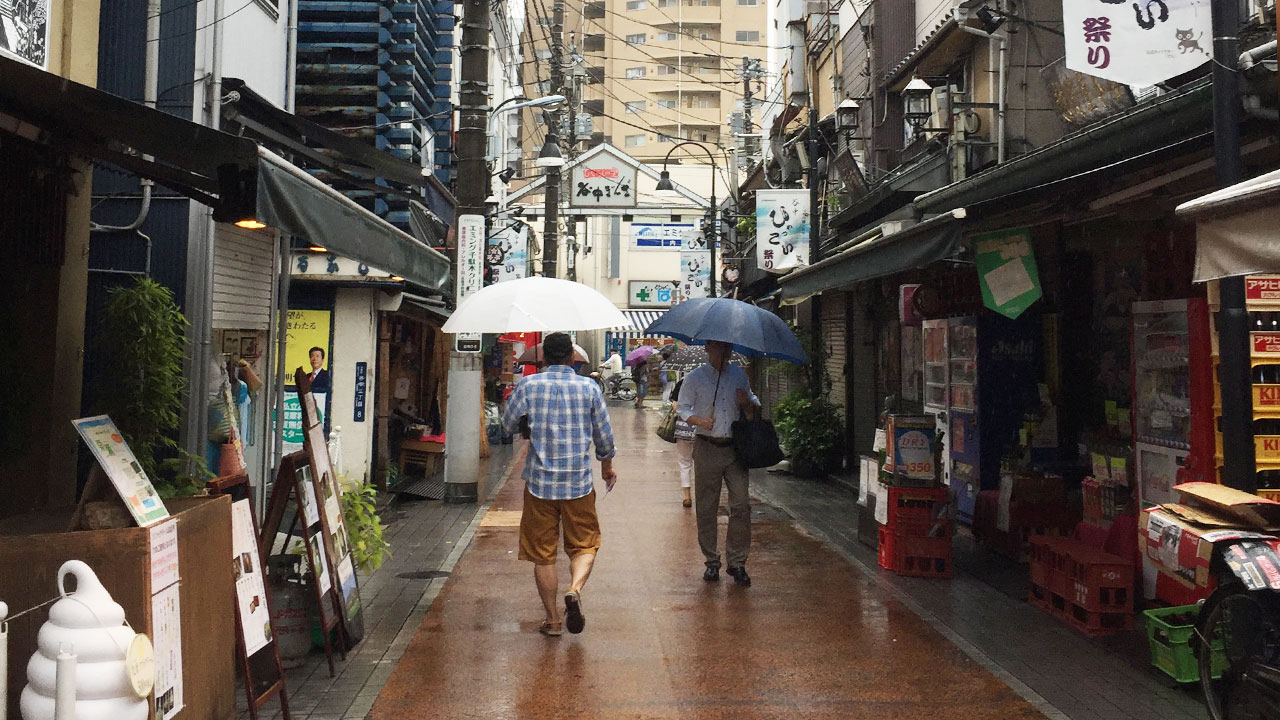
x=755, y=442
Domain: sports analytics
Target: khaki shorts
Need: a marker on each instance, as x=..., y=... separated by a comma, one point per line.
x=540, y=525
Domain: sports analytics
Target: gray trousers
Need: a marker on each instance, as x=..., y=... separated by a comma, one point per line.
x=713, y=465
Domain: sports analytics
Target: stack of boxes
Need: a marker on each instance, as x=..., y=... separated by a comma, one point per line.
x=914, y=524
x=1086, y=588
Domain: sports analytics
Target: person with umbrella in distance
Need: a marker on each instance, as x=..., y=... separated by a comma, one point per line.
x=638, y=361
x=711, y=398
x=566, y=414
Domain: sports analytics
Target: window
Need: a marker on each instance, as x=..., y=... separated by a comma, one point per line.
x=635, y=106
x=751, y=3
x=669, y=104
x=666, y=70
x=637, y=4
x=635, y=72
x=666, y=36
x=747, y=36
x=706, y=70
x=704, y=36
x=668, y=3
x=634, y=141
x=704, y=103
x=663, y=137
x=637, y=39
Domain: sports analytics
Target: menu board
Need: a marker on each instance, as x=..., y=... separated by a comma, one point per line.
x=122, y=469
x=251, y=591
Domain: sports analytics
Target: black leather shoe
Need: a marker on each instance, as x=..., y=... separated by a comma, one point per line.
x=740, y=576
x=712, y=574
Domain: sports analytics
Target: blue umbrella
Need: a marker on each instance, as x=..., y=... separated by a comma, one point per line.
x=753, y=332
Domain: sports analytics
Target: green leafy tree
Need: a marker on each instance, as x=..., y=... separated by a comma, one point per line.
x=143, y=346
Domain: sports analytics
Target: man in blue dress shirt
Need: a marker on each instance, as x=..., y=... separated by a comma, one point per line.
x=711, y=398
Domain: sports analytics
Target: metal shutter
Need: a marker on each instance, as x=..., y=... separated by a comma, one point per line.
x=243, y=278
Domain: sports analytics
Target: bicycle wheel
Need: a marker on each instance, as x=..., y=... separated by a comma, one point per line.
x=627, y=390
x=1239, y=640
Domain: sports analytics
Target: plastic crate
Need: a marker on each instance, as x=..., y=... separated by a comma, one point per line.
x=1100, y=582
x=914, y=555
x=1170, y=644
x=913, y=505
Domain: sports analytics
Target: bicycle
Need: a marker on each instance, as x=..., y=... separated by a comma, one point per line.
x=1238, y=636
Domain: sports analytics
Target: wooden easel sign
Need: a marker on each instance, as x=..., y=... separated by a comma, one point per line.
x=294, y=479
x=329, y=500
x=254, y=633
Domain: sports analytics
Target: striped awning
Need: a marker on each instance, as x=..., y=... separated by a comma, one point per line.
x=640, y=319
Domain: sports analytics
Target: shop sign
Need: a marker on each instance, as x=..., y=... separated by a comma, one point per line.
x=24, y=31
x=603, y=181
x=327, y=266
x=782, y=229
x=659, y=236
x=1266, y=397
x=1265, y=345
x=1007, y=271
x=695, y=274
x=1267, y=448
x=651, y=293
x=362, y=370
x=507, y=254
x=470, y=272
x=1262, y=288
x=251, y=590
x=1140, y=43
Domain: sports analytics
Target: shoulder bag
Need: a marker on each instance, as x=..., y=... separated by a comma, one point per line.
x=667, y=428
x=755, y=442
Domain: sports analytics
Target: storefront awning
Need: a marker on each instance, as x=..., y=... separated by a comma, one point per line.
x=86, y=121
x=934, y=239
x=1236, y=229
x=640, y=319
x=291, y=200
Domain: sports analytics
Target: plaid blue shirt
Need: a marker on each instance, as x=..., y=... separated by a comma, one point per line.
x=566, y=414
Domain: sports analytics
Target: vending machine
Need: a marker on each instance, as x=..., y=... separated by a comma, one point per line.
x=1172, y=396
x=936, y=388
x=993, y=370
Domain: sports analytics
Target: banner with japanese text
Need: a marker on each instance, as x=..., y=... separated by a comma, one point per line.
x=782, y=229
x=1140, y=43
x=508, y=254
x=695, y=273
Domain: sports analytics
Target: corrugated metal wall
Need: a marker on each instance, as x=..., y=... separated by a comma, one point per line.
x=243, y=264
x=833, y=336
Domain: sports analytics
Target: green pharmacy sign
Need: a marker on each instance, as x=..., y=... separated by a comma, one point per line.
x=1007, y=271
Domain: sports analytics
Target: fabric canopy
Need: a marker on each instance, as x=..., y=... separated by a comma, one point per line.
x=934, y=239
x=1236, y=229
x=291, y=200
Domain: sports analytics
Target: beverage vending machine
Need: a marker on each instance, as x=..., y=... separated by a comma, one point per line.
x=1172, y=397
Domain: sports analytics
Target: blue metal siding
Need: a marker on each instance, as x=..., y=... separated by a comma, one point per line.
x=367, y=69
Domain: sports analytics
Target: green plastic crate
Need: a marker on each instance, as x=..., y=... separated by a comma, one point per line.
x=1171, y=649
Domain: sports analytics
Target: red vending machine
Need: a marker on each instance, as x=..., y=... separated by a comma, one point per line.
x=1173, y=414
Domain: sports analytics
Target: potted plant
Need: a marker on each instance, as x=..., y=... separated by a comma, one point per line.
x=810, y=430
x=143, y=343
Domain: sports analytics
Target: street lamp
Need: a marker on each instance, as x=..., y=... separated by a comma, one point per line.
x=848, y=117
x=521, y=102
x=666, y=188
x=549, y=156
x=917, y=98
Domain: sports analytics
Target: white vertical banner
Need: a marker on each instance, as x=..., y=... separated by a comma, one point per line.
x=470, y=271
x=782, y=229
x=1140, y=43
x=695, y=273
x=508, y=254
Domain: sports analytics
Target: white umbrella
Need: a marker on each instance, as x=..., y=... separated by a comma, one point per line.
x=534, y=304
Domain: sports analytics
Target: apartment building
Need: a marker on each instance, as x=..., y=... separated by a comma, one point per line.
x=649, y=73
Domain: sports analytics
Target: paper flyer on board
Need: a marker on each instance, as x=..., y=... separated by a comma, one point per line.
x=122, y=468
x=164, y=555
x=166, y=630
x=251, y=591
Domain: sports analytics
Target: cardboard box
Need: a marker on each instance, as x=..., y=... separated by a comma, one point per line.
x=1228, y=507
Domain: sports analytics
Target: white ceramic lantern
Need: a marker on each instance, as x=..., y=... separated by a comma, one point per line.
x=90, y=625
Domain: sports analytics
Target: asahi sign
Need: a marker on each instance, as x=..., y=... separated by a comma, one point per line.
x=1262, y=288
x=1137, y=43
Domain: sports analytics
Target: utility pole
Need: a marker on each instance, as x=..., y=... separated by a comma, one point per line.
x=1240, y=469
x=815, y=238
x=462, y=418
x=550, y=228
x=750, y=71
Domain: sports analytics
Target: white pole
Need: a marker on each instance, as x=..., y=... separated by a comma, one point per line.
x=64, y=696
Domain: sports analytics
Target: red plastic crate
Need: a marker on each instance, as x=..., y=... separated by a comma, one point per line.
x=910, y=504
x=914, y=555
x=1097, y=624
x=1101, y=582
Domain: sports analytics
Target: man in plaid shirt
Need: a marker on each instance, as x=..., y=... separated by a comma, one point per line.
x=565, y=414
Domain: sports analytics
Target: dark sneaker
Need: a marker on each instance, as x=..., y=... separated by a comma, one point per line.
x=573, y=618
x=740, y=576
x=712, y=573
